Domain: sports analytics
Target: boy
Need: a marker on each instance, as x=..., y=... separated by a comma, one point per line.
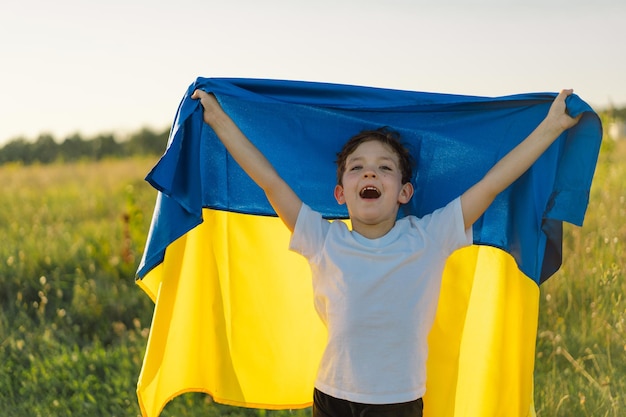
x=376, y=286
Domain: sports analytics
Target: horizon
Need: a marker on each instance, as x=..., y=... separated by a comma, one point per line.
x=89, y=68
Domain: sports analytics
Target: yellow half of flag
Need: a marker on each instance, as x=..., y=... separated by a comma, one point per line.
x=234, y=318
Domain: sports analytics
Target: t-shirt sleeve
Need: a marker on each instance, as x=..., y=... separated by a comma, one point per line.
x=448, y=227
x=309, y=234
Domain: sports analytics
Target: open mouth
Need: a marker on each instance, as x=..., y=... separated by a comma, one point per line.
x=370, y=193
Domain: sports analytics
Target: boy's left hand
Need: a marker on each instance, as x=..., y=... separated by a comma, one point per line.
x=558, y=111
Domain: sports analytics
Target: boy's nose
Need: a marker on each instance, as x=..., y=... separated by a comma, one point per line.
x=369, y=170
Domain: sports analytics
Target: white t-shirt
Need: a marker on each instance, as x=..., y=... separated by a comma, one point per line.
x=377, y=298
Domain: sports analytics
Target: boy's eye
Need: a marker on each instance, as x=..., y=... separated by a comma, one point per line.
x=386, y=168
x=355, y=167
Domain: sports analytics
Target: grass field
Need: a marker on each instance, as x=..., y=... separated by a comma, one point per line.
x=581, y=345
x=73, y=325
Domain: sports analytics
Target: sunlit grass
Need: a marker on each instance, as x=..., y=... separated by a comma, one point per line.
x=73, y=325
x=581, y=346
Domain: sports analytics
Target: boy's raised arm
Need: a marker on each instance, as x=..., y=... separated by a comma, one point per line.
x=282, y=198
x=478, y=198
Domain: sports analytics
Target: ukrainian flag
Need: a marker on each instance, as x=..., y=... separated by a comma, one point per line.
x=234, y=314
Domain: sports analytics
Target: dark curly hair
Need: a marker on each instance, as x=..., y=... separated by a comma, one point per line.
x=383, y=135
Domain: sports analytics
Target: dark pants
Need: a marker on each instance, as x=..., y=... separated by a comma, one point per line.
x=326, y=406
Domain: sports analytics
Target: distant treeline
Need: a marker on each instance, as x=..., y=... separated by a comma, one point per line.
x=45, y=149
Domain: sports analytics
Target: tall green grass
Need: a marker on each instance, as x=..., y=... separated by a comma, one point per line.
x=73, y=325
x=580, y=368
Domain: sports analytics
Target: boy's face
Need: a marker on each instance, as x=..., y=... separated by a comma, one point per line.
x=372, y=185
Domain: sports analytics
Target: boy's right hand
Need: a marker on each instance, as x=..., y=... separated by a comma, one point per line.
x=212, y=108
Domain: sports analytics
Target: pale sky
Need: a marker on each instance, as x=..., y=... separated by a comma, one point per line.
x=92, y=67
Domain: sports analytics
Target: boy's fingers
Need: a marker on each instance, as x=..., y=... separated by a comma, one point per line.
x=199, y=94
x=566, y=92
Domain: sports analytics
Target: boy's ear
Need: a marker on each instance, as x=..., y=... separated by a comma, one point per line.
x=406, y=193
x=341, y=199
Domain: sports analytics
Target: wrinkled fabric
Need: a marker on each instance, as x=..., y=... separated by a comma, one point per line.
x=300, y=126
x=234, y=314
